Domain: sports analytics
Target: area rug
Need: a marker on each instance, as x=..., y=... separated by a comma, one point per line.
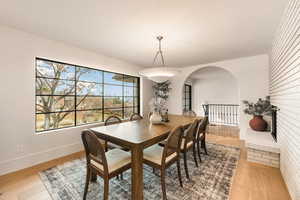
x=210, y=181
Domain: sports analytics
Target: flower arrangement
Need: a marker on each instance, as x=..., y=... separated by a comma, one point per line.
x=260, y=108
x=158, y=104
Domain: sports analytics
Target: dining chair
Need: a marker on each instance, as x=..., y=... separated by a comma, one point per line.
x=163, y=157
x=149, y=114
x=112, y=119
x=135, y=116
x=201, y=135
x=105, y=164
x=189, y=113
x=189, y=141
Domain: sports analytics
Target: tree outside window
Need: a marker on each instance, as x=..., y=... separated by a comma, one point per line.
x=70, y=95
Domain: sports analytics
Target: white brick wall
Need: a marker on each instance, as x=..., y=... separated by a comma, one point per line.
x=285, y=93
x=263, y=157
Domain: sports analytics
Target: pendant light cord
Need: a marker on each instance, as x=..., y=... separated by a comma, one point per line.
x=159, y=52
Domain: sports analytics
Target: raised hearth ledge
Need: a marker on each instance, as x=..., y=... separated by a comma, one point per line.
x=261, y=141
x=262, y=149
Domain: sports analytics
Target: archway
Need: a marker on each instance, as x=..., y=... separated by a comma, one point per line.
x=245, y=70
x=217, y=89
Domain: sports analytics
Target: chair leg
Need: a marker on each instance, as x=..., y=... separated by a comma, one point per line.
x=153, y=170
x=203, y=145
x=194, y=154
x=105, y=145
x=87, y=181
x=199, y=150
x=185, y=165
x=163, y=183
x=106, y=188
x=179, y=172
x=122, y=176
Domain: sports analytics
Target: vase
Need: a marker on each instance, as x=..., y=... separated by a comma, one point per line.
x=156, y=118
x=258, y=123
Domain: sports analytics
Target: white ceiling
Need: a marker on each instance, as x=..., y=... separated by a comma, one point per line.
x=196, y=31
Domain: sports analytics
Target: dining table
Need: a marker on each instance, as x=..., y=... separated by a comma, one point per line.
x=136, y=136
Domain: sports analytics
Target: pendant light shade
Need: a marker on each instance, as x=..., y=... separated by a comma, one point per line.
x=159, y=74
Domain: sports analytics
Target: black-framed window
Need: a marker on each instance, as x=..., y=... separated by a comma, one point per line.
x=70, y=95
x=187, y=97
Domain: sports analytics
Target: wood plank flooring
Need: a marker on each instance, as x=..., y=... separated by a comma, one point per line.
x=251, y=181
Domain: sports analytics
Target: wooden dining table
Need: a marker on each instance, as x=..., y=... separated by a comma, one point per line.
x=136, y=136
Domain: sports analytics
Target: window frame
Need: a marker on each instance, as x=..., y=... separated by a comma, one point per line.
x=135, y=104
x=187, y=99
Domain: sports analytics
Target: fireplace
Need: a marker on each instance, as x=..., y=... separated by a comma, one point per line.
x=274, y=122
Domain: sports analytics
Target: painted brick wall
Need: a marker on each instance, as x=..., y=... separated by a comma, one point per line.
x=285, y=93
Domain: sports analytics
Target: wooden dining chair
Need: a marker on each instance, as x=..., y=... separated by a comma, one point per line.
x=135, y=116
x=113, y=119
x=163, y=157
x=189, y=141
x=105, y=164
x=189, y=113
x=149, y=114
x=201, y=135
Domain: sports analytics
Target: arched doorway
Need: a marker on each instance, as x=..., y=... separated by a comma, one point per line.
x=215, y=90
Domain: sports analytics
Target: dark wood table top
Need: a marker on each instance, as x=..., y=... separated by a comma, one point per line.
x=140, y=132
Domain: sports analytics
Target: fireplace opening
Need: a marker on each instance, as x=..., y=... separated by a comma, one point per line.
x=274, y=122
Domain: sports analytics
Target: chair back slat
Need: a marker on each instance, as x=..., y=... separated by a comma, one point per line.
x=202, y=125
x=173, y=142
x=191, y=131
x=135, y=116
x=93, y=148
x=113, y=119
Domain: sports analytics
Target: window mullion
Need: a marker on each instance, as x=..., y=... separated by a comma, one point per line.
x=102, y=96
x=123, y=99
x=75, y=100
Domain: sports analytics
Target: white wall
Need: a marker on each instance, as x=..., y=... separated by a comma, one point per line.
x=20, y=147
x=252, y=74
x=285, y=93
x=215, y=86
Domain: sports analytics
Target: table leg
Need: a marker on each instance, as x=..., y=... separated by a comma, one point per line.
x=137, y=184
x=93, y=177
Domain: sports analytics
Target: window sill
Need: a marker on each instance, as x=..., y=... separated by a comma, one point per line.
x=83, y=126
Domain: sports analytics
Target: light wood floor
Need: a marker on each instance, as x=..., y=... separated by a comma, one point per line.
x=251, y=181
x=222, y=130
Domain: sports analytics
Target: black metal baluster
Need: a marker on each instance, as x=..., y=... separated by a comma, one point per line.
x=223, y=108
x=236, y=115
x=215, y=113
x=226, y=112
x=213, y=108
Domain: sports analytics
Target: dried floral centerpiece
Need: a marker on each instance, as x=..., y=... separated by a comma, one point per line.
x=158, y=104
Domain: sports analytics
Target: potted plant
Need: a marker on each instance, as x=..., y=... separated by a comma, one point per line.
x=258, y=110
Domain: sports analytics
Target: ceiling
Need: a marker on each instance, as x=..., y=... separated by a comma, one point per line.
x=196, y=31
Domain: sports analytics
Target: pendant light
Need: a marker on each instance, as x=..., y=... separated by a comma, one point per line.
x=159, y=74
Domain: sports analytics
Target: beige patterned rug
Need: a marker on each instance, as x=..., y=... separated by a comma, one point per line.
x=210, y=181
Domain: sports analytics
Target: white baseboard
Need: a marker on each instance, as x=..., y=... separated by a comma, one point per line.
x=30, y=160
